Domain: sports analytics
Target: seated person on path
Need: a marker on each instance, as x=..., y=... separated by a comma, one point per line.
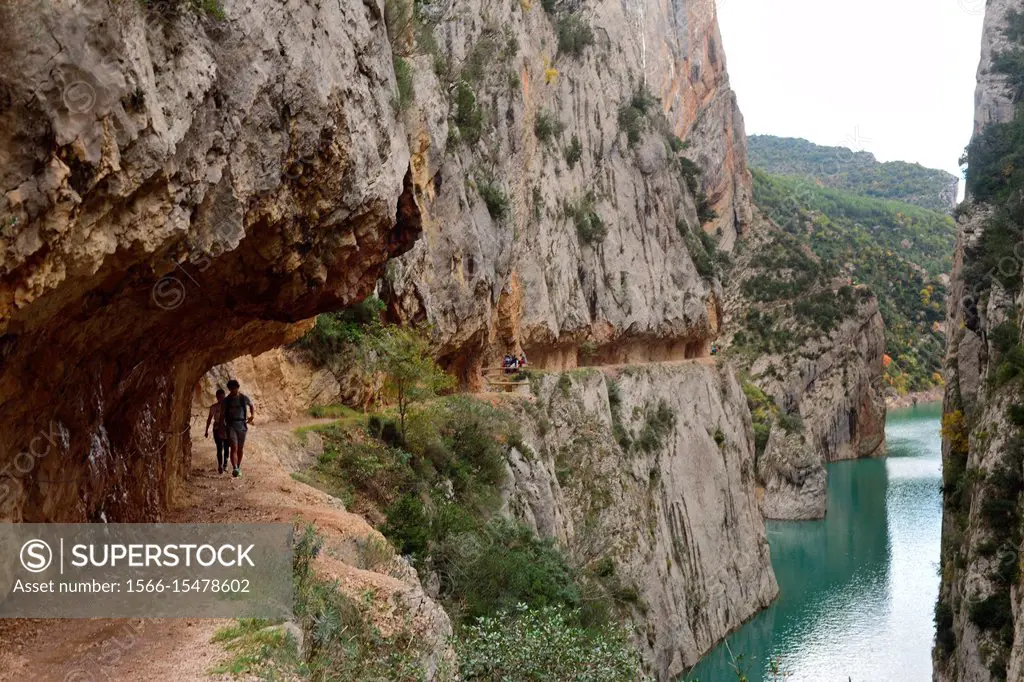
x=233, y=409
x=220, y=433
x=522, y=361
x=508, y=364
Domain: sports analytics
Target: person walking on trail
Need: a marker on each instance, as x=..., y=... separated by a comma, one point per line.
x=220, y=432
x=236, y=423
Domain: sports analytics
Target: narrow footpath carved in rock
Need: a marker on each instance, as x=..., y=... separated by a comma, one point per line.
x=182, y=650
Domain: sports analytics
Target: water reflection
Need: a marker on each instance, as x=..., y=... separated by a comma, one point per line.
x=857, y=589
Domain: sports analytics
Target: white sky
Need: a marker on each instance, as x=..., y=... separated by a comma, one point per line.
x=892, y=77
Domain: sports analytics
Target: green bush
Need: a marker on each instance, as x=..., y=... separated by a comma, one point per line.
x=1015, y=413
x=403, y=77
x=340, y=640
x=993, y=612
x=481, y=59
x=791, y=422
x=1010, y=367
x=690, y=173
x=659, y=421
x=705, y=212
x=574, y=35
x=945, y=637
x=501, y=565
x=338, y=333
x=1004, y=337
x=546, y=645
x=546, y=126
x=211, y=8
x=494, y=197
x=763, y=411
x=589, y=227
x=703, y=250
x=468, y=117
x=633, y=116
x=408, y=526
x=573, y=152
x=330, y=411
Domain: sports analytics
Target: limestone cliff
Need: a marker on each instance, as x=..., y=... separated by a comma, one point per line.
x=179, y=189
x=980, y=630
x=558, y=218
x=821, y=363
x=652, y=468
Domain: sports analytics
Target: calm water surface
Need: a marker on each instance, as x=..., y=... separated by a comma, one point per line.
x=857, y=590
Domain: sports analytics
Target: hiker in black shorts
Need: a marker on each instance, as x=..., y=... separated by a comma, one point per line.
x=233, y=411
x=220, y=433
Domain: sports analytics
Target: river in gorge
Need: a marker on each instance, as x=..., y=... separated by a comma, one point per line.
x=858, y=589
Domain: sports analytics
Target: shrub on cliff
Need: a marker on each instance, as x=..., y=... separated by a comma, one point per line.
x=633, y=116
x=545, y=645
x=589, y=227
x=468, y=118
x=494, y=197
x=210, y=8
x=763, y=411
x=547, y=126
x=336, y=338
x=573, y=152
x=340, y=639
x=403, y=79
x=574, y=35
x=703, y=250
x=659, y=422
x=500, y=565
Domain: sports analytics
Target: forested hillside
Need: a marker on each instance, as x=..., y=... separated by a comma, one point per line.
x=858, y=172
x=900, y=251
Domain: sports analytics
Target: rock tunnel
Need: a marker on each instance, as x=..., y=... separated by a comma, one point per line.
x=176, y=196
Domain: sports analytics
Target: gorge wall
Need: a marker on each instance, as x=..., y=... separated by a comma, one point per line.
x=980, y=631
x=591, y=246
x=650, y=469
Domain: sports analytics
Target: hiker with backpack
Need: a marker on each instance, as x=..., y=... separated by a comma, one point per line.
x=233, y=410
x=220, y=433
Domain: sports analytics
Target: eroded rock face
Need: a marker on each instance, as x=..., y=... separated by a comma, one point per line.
x=283, y=383
x=179, y=190
x=651, y=468
x=793, y=476
x=529, y=279
x=979, y=438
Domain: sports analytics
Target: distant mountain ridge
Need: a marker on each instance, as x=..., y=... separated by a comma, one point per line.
x=858, y=172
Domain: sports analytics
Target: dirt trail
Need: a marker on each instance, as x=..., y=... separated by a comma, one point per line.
x=498, y=377
x=106, y=650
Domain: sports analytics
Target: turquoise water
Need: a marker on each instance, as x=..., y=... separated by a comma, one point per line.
x=857, y=590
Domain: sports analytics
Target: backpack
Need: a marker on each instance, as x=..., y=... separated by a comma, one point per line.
x=234, y=408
